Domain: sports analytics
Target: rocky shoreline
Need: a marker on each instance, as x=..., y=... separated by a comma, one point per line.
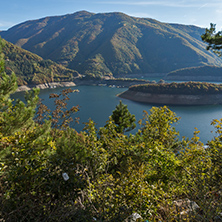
x=172, y=99
x=46, y=86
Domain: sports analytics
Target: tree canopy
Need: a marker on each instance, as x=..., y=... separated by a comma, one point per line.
x=124, y=120
x=185, y=88
x=50, y=172
x=213, y=38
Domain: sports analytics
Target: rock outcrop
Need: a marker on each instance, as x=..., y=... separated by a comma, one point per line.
x=46, y=86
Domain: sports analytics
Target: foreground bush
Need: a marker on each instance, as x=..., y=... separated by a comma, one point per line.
x=50, y=172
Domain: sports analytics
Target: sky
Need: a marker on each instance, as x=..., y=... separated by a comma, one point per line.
x=189, y=12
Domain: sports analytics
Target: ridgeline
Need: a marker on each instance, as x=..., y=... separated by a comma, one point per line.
x=113, y=44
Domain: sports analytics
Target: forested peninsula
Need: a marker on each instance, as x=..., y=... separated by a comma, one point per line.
x=186, y=93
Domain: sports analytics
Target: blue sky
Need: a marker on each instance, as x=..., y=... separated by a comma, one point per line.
x=190, y=12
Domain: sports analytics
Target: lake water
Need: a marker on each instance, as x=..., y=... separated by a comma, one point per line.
x=97, y=103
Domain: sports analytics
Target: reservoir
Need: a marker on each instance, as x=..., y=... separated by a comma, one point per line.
x=98, y=102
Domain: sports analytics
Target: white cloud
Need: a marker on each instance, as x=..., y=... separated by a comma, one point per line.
x=203, y=6
x=169, y=3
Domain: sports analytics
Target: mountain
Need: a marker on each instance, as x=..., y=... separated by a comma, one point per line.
x=202, y=73
x=113, y=43
x=32, y=69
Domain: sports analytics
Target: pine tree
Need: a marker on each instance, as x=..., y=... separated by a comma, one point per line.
x=213, y=38
x=124, y=120
x=24, y=146
x=14, y=116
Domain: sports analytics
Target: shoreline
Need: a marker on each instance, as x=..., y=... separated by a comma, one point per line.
x=194, y=78
x=172, y=99
x=45, y=86
x=78, y=82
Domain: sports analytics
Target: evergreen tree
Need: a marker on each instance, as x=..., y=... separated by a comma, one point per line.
x=24, y=147
x=14, y=116
x=213, y=38
x=124, y=120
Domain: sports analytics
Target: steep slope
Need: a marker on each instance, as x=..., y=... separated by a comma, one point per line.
x=32, y=69
x=113, y=43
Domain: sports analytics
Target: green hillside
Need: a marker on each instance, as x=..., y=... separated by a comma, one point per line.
x=32, y=69
x=113, y=43
x=197, y=73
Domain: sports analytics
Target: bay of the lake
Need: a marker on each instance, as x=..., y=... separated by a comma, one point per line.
x=98, y=102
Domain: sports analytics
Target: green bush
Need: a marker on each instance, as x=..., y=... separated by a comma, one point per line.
x=50, y=172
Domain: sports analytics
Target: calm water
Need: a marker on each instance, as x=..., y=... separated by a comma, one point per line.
x=98, y=103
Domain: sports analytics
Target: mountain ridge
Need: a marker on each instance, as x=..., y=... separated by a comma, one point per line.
x=113, y=44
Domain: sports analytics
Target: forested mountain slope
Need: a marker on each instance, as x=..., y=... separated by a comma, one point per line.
x=32, y=69
x=113, y=43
